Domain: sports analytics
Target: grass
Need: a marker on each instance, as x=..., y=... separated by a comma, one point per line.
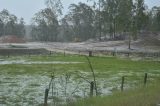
x=103, y=66
x=100, y=64
x=109, y=68
x=143, y=96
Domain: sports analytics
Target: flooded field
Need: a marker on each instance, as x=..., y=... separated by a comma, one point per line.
x=23, y=80
x=24, y=90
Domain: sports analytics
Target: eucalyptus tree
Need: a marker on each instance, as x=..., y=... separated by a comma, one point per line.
x=81, y=19
x=111, y=12
x=141, y=15
x=67, y=29
x=45, y=22
x=155, y=19
x=100, y=25
x=158, y=18
x=1, y=27
x=4, y=17
x=21, y=28
x=55, y=5
x=10, y=24
x=45, y=25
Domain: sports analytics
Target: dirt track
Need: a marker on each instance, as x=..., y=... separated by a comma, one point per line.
x=86, y=46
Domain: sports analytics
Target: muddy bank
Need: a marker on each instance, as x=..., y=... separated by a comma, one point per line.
x=22, y=51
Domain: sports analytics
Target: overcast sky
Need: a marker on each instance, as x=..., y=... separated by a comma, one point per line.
x=27, y=8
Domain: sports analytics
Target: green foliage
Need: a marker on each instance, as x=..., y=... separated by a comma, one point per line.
x=55, y=5
x=45, y=22
x=11, y=25
x=81, y=20
x=121, y=19
x=1, y=27
x=108, y=68
x=45, y=26
x=100, y=64
x=155, y=19
x=137, y=97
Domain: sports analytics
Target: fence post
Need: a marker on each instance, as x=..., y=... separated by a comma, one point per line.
x=46, y=97
x=128, y=54
x=8, y=55
x=145, y=79
x=113, y=53
x=50, y=53
x=122, y=84
x=29, y=55
x=64, y=53
x=91, y=88
x=90, y=54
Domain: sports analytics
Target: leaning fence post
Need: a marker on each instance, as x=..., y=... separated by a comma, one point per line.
x=122, y=84
x=91, y=88
x=46, y=97
x=145, y=79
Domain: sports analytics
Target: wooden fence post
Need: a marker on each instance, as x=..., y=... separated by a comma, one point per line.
x=8, y=55
x=145, y=79
x=50, y=53
x=64, y=53
x=46, y=97
x=90, y=54
x=91, y=88
x=122, y=84
x=29, y=55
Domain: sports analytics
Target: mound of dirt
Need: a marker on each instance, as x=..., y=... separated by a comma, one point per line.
x=149, y=40
x=11, y=39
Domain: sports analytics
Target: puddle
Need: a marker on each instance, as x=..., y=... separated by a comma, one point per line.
x=4, y=62
x=28, y=90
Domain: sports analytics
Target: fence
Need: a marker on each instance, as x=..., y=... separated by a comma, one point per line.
x=145, y=79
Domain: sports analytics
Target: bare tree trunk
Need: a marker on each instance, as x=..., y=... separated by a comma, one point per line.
x=94, y=77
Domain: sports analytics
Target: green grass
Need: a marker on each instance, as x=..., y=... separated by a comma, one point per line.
x=109, y=68
x=144, y=96
x=107, y=65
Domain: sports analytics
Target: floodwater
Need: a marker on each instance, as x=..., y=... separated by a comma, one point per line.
x=28, y=90
x=5, y=62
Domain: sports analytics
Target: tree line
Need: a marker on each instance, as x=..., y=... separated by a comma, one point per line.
x=102, y=19
x=11, y=25
x=116, y=18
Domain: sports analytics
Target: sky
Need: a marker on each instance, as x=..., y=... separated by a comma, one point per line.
x=27, y=8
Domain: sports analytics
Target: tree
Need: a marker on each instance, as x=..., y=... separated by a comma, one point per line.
x=55, y=5
x=81, y=18
x=45, y=25
x=158, y=19
x=1, y=27
x=140, y=14
x=21, y=28
x=10, y=27
x=155, y=19
x=10, y=24
x=110, y=15
x=67, y=32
